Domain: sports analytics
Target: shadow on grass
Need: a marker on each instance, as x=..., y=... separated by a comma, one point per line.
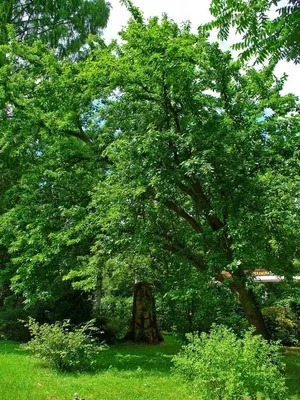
x=133, y=357
x=11, y=348
x=125, y=357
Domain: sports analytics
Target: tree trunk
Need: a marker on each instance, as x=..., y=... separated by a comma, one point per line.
x=251, y=309
x=247, y=300
x=98, y=294
x=144, y=327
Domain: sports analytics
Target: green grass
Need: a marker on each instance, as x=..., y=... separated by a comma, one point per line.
x=292, y=361
x=125, y=372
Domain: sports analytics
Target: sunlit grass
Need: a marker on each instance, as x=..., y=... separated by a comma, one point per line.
x=124, y=372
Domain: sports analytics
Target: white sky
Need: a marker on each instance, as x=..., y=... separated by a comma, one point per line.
x=195, y=11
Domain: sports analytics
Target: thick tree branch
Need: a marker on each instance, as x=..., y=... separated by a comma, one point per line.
x=177, y=251
x=187, y=190
x=181, y=213
x=213, y=220
x=151, y=96
x=79, y=136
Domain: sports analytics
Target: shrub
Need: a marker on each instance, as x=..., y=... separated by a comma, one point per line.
x=283, y=321
x=105, y=332
x=222, y=366
x=280, y=305
x=63, y=348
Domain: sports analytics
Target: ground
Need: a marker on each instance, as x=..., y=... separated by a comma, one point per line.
x=125, y=372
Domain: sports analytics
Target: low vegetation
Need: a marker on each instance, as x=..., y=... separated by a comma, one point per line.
x=64, y=348
x=220, y=365
x=124, y=372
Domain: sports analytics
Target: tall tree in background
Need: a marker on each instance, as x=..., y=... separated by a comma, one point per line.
x=62, y=24
x=48, y=148
x=25, y=174
x=263, y=37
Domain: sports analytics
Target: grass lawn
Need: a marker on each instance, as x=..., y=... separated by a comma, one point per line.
x=292, y=360
x=126, y=372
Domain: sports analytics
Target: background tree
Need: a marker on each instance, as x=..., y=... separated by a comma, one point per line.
x=50, y=153
x=63, y=25
x=33, y=188
x=263, y=37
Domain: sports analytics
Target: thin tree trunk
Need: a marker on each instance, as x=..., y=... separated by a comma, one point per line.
x=144, y=326
x=98, y=294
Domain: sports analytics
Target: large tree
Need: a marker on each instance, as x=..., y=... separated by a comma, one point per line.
x=49, y=163
x=203, y=160
x=262, y=36
x=159, y=145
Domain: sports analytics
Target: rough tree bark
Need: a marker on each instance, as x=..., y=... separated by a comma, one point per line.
x=144, y=326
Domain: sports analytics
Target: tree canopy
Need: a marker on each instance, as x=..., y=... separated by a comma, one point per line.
x=262, y=36
x=63, y=25
x=160, y=148
x=34, y=27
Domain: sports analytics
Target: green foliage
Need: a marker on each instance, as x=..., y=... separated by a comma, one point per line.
x=47, y=178
x=117, y=312
x=172, y=161
x=261, y=36
x=222, y=366
x=283, y=323
x=64, y=348
x=12, y=323
x=62, y=25
x=281, y=309
x=187, y=302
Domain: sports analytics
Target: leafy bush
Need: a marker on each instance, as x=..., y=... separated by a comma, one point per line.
x=105, y=331
x=280, y=305
x=63, y=348
x=223, y=366
x=283, y=321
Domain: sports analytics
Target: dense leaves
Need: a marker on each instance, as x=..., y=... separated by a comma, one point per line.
x=64, y=347
x=196, y=157
x=262, y=36
x=154, y=154
x=222, y=366
x=63, y=25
